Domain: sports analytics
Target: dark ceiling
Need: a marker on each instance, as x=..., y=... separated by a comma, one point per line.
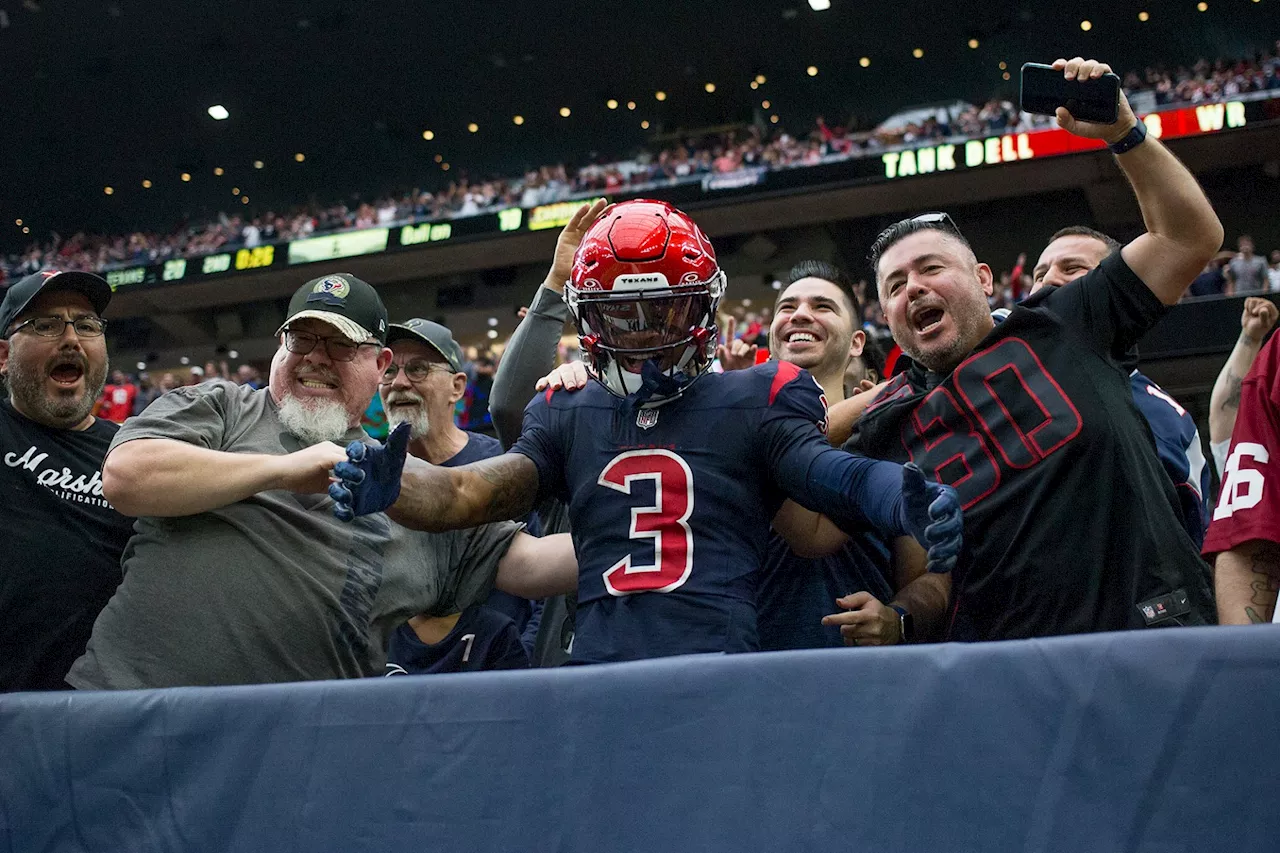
x=98, y=94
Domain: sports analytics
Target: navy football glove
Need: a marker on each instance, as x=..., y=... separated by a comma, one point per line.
x=370, y=478
x=934, y=517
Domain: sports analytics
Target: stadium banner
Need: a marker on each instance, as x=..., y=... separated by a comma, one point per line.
x=1153, y=740
x=346, y=244
x=916, y=161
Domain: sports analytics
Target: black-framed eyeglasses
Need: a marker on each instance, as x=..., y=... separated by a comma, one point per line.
x=338, y=349
x=417, y=370
x=56, y=327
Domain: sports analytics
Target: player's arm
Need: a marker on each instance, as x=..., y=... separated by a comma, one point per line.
x=164, y=477
x=1258, y=318
x=855, y=491
x=1183, y=232
x=536, y=567
x=1245, y=581
x=437, y=499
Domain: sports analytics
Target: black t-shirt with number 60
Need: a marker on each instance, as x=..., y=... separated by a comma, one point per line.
x=1070, y=523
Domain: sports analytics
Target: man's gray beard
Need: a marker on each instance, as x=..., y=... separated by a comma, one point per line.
x=419, y=425
x=27, y=391
x=316, y=421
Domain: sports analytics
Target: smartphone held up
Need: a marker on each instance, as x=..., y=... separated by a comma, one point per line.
x=1044, y=89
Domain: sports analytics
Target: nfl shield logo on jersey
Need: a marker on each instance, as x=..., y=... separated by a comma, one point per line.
x=647, y=418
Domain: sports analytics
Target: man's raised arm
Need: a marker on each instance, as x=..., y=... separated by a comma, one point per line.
x=1183, y=232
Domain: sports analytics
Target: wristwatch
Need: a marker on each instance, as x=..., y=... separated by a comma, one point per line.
x=1132, y=139
x=905, y=622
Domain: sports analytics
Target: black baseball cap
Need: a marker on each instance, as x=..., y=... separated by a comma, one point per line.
x=20, y=295
x=433, y=334
x=343, y=301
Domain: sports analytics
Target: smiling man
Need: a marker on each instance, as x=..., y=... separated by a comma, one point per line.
x=1074, y=525
x=238, y=572
x=62, y=540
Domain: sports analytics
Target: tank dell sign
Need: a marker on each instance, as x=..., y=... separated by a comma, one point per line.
x=1190, y=121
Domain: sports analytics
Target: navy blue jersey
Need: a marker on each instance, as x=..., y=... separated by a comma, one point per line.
x=477, y=448
x=670, y=506
x=1178, y=445
x=482, y=639
x=796, y=592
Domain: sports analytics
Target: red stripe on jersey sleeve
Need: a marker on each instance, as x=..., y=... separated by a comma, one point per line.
x=786, y=372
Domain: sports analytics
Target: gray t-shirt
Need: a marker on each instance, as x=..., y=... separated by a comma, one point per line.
x=1250, y=274
x=272, y=588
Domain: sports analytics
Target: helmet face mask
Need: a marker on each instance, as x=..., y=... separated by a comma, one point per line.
x=625, y=306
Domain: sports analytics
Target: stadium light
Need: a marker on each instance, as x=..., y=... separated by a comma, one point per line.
x=299, y=157
x=186, y=177
x=660, y=95
x=17, y=222
x=755, y=85
x=761, y=79
x=631, y=105
x=710, y=87
x=218, y=112
x=1086, y=25
x=517, y=120
x=244, y=199
x=865, y=61
x=492, y=334
x=473, y=127
x=146, y=184
x=258, y=164
x=766, y=104
x=1144, y=17
x=493, y=321
x=611, y=104
x=812, y=71
x=26, y=229
x=819, y=5
x=1203, y=7
x=564, y=112
x=973, y=44
x=217, y=170
x=644, y=125
x=233, y=354
x=918, y=53
x=108, y=190
x=428, y=135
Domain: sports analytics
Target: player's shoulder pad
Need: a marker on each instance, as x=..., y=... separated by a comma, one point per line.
x=593, y=394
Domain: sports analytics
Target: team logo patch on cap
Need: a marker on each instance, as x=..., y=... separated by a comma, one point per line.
x=332, y=290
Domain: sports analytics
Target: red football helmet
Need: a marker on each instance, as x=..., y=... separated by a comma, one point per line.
x=645, y=287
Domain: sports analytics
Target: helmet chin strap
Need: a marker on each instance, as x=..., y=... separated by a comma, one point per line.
x=655, y=383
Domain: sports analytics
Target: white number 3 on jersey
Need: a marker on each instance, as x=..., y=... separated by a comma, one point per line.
x=1241, y=487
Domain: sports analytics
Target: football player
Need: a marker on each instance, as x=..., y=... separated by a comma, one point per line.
x=1073, y=524
x=671, y=474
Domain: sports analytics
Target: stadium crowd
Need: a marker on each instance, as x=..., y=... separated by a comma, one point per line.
x=672, y=492
x=758, y=145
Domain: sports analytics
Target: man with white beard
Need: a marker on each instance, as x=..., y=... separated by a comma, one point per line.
x=421, y=387
x=238, y=572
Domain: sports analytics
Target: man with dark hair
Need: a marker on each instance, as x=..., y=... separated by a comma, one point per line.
x=1074, y=251
x=62, y=539
x=885, y=600
x=1073, y=524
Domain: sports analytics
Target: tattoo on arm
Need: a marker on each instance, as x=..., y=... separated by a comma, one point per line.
x=1265, y=564
x=508, y=486
x=1234, y=384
